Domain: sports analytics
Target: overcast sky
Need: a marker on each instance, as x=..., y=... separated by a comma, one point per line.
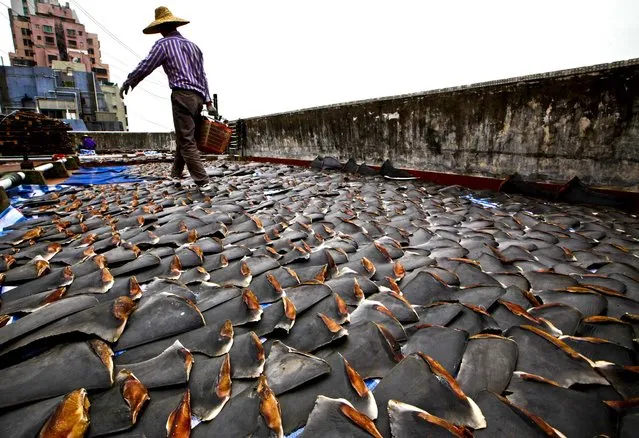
x=264, y=57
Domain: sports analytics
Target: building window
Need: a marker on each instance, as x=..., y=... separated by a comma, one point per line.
x=39, y=38
x=90, y=41
x=73, y=43
x=38, y=26
x=47, y=29
x=52, y=58
x=25, y=31
x=71, y=32
x=80, y=33
x=91, y=51
x=49, y=40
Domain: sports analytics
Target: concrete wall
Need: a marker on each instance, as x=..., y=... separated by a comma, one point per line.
x=553, y=126
x=128, y=142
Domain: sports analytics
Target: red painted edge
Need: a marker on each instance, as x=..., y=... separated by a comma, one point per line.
x=469, y=181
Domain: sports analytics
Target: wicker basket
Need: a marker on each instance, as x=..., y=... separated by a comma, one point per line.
x=213, y=137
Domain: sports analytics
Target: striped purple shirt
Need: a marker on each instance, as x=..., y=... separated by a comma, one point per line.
x=182, y=61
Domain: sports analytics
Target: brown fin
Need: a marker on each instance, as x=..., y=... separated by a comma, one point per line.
x=384, y=252
x=70, y=419
x=106, y=276
x=458, y=431
x=4, y=319
x=383, y=309
x=532, y=299
x=176, y=265
x=244, y=269
x=32, y=234
x=137, y=251
x=135, y=394
x=198, y=252
x=605, y=290
x=192, y=236
x=396, y=349
x=535, y=378
x=251, y=301
x=368, y=265
x=260, y=356
x=179, y=423
x=104, y=352
x=223, y=388
x=9, y=260
x=620, y=405
x=100, y=261
x=558, y=343
x=289, y=309
x=276, y=284
x=89, y=252
x=356, y=380
x=360, y=420
x=55, y=248
x=54, y=296
x=269, y=407
x=438, y=278
x=465, y=260
x=476, y=309
x=42, y=266
x=357, y=290
x=516, y=309
x=342, y=308
x=547, y=428
x=122, y=308
x=293, y=274
x=257, y=221
x=441, y=372
x=330, y=324
x=135, y=291
x=579, y=290
x=321, y=276
x=398, y=270
x=188, y=360
x=602, y=320
x=227, y=330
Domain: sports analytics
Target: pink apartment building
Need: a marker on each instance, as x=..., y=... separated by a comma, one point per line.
x=44, y=31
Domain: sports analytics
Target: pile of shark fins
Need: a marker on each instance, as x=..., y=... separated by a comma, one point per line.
x=334, y=304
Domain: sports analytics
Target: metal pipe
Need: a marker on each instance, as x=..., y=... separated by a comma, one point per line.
x=49, y=166
x=75, y=99
x=11, y=179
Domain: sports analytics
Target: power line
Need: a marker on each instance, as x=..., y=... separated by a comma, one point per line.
x=146, y=80
x=154, y=123
x=119, y=41
x=101, y=26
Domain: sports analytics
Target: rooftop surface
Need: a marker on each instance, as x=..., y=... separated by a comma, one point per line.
x=291, y=298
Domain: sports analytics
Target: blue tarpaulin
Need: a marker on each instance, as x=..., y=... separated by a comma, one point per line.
x=102, y=175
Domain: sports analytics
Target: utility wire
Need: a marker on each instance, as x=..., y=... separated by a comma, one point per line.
x=119, y=41
x=154, y=123
x=101, y=26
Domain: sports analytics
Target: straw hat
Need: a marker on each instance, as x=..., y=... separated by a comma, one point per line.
x=162, y=16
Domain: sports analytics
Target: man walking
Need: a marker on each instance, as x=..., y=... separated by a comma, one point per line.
x=183, y=64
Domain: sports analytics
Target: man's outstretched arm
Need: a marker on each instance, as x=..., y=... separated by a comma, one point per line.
x=154, y=59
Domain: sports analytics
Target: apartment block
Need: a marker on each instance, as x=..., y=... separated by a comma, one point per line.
x=45, y=31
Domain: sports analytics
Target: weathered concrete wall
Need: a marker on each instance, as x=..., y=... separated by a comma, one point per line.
x=126, y=142
x=582, y=122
